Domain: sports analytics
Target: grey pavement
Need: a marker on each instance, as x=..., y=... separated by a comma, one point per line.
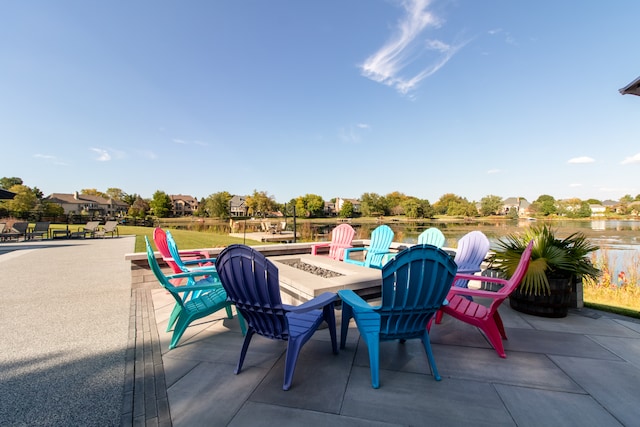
x=583, y=370
x=64, y=315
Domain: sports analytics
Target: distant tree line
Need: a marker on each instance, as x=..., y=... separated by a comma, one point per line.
x=30, y=201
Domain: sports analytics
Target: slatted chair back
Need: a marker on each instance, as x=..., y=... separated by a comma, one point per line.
x=432, y=236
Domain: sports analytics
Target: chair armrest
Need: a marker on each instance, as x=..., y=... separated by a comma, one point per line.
x=199, y=261
x=498, y=280
x=474, y=292
x=192, y=288
x=355, y=301
x=318, y=302
x=315, y=246
x=347, y=256
x=190, y=274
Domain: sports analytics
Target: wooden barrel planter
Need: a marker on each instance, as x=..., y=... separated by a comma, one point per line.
x=554, y=305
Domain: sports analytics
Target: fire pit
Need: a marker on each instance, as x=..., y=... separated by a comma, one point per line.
x=303, y=277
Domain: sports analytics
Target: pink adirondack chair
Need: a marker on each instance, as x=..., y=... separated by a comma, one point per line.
x=160, y=239
x=487, y=319
x=341, y=238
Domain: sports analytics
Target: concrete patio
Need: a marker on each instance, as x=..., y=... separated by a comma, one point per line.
x=583, y=370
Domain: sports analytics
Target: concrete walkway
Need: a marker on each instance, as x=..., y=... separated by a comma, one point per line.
x=82, y=347
x=64, y=314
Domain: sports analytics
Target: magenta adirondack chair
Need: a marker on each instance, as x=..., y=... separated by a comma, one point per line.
x=341, y=238
x=487, y=319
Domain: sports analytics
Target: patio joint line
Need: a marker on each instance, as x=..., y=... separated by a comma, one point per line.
x=144, y=401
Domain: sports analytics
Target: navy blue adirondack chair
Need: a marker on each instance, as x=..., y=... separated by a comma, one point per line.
x=414, y=286
x=212, y=298
x=252, y=284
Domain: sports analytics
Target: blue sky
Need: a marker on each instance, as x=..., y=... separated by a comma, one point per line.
x=333, y=97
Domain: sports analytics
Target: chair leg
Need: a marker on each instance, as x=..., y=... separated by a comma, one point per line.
x=181, y=326
x=499, y=324
x=329, y=316
x=439, y=315
x=426, y=342
x=175, y=313
x=373, y=346
x=245, y=346
x=347, y=314
x=293, y=349
x=490, y=330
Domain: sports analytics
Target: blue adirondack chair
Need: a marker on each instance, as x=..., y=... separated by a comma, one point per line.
x=381, y=239
x=199, y=264
x=213, y=298
x=251, y=282
x=471, y=251
x=432, y=236
x=414, y=286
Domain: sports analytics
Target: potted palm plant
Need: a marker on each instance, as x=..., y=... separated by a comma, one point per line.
x=555, y=268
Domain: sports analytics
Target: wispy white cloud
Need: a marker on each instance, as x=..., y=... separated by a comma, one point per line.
x=148, y=154
x=352, y=133
x=508, y=38
x=50, y=159
x=493, y=171
x=184, y=142
x=632, y=159
x=583, y=159
x=103, y=155
x=575, y=184
x=405, y=47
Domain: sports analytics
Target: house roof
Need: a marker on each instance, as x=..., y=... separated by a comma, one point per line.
x=632, y=88
x=80, y=198
x=187, y=199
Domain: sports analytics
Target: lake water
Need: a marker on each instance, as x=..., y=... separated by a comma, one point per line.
x=619, y=240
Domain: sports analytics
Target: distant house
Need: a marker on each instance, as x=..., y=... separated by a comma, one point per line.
x=238, y=206
x=340, y=202
x=330, y=208
x=520, y=204
x=85, y=204
x=183, y=205
x=597, y=210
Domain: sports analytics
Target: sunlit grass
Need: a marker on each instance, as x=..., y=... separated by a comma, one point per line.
x=617, y=289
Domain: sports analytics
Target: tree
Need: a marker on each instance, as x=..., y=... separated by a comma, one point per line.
x=260, y=203
x=373, y=204
x=217, y=204
x=7, y=183
x=116, y=194
x=346, y=211
x=490, y=205
x=52, y=209
x=93, y=192
x=394, y=203
x=161, y=204
x=454, y=205
x=584, y=211
x=310, y=205
x=24, y=202
x=130, y=199
x=139, y=208
x=545, y=205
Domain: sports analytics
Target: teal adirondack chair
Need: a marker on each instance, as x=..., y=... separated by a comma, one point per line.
x=213, y=298
x=432, y=236
x=381, y=239
x=414, y=286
